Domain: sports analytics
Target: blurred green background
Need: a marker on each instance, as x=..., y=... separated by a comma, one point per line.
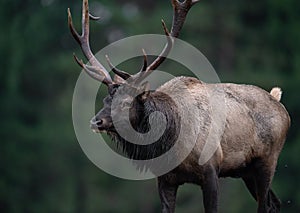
x=43, y=169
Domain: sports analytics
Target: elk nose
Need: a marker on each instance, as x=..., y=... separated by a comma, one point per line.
x=99, y=122
x=95, y=123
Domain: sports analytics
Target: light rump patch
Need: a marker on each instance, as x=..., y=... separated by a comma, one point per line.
x=276, y=92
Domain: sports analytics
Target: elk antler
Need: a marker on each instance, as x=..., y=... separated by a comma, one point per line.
x=181, y=10
x=120, y=73
x=97, y=70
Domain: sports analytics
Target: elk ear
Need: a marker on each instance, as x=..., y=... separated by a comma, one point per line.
x=144, y=91
x=112, y=88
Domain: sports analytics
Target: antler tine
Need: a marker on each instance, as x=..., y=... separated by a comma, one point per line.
x=118, y=72
x=145, y=64
x=71, y=26
x=147, y=70
x=94, y=18
x=181, y=10
x=164, y=53
x=91, y=71
x=100, y=73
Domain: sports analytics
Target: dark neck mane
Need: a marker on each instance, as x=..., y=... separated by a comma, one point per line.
x=156, y=101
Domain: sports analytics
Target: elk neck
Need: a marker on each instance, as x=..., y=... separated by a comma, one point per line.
x=139, y=117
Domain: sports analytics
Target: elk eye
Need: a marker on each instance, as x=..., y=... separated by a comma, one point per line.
x=112, y=91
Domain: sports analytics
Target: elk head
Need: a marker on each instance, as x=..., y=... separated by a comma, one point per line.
x=125, y=88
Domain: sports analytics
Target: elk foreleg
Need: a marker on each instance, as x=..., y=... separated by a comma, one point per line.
x=210, y=190
x=167, y=193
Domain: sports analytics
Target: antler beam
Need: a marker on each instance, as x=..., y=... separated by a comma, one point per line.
x=97, y=70
x=181, y=10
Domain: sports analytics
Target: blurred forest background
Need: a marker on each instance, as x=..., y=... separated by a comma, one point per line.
x=42, y=167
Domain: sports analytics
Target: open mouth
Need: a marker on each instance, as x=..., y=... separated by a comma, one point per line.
x=97, y=130
x=102, y=130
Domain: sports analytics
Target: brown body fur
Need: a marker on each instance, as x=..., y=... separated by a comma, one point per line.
x=255, y=131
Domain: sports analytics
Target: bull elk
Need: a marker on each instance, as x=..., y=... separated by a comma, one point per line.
x=255, y=128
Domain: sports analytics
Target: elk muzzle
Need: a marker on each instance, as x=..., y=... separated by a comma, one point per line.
x=100, y=124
